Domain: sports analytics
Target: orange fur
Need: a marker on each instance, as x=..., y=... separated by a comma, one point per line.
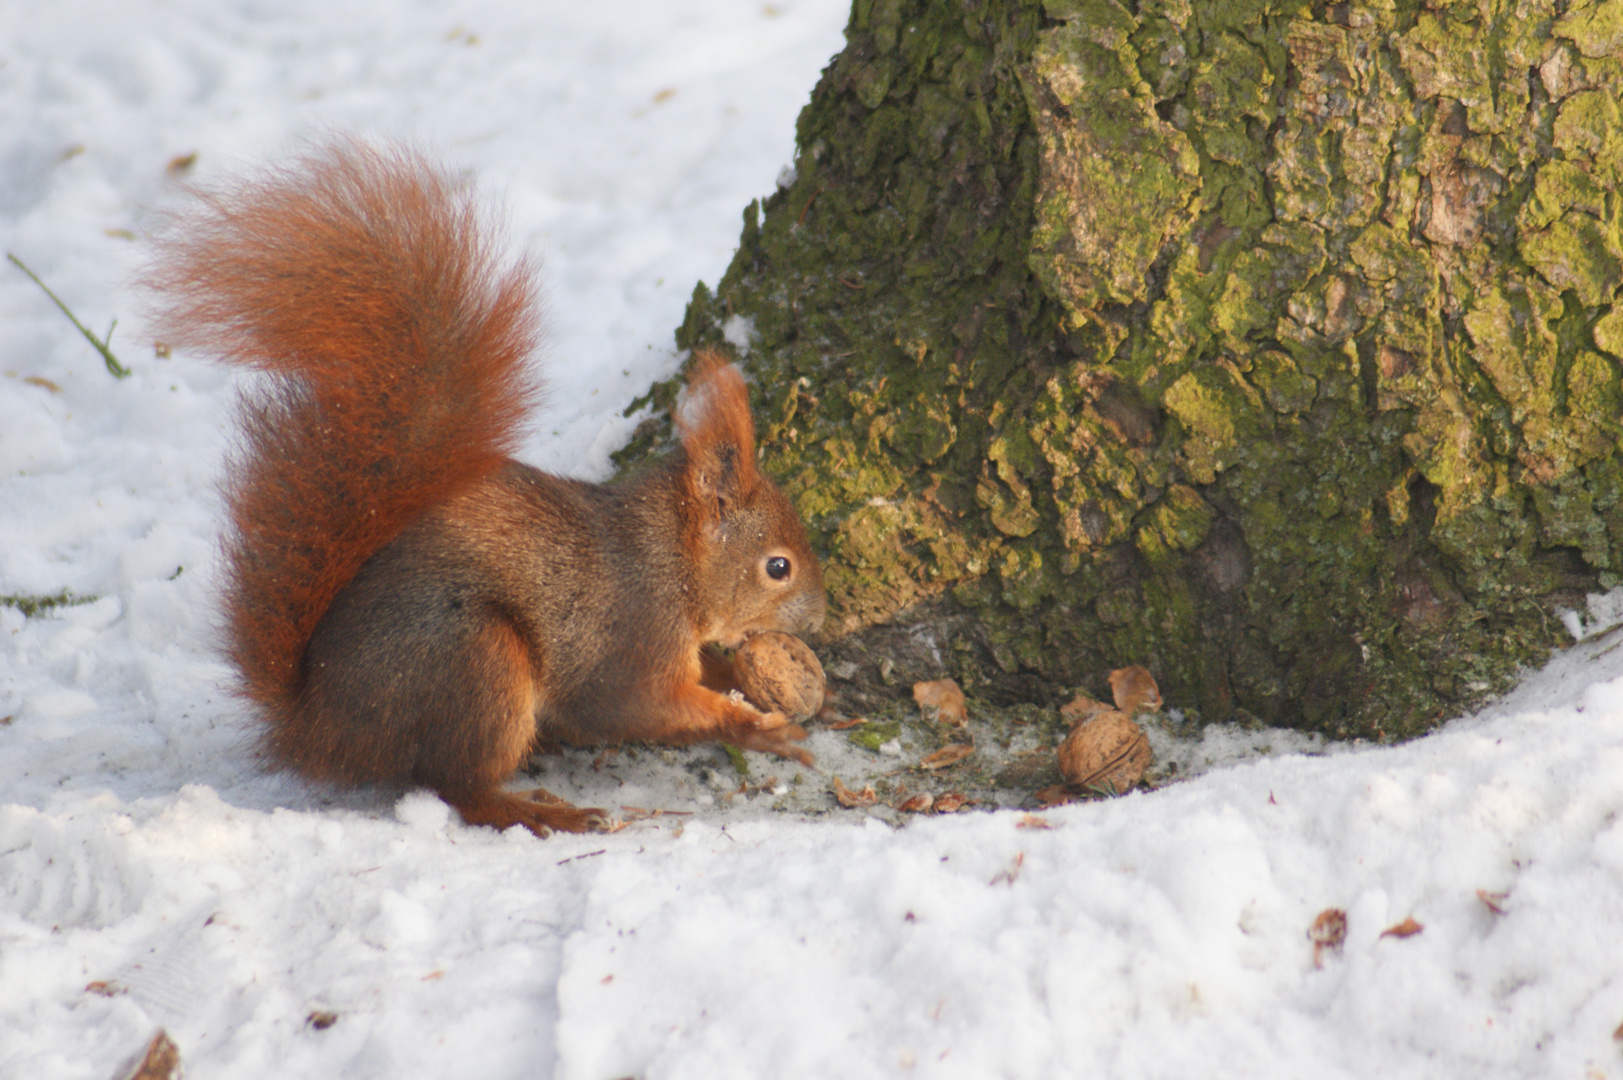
x=408, y=605
x=714, y=420
x=362, y=280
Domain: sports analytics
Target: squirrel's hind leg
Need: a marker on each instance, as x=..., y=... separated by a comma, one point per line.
x=500, y=730
x=439, y=690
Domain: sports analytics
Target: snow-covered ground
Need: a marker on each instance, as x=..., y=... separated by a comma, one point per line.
x=141, y=852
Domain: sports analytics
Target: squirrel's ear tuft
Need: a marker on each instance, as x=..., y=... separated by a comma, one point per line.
x=718, y=434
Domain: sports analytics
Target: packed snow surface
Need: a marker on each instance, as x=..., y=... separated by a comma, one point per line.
x=152, y=877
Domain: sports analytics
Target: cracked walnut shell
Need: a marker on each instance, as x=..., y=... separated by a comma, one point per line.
x=1107, y=753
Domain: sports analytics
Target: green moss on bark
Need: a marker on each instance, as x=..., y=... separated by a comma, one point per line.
x=1269, y=344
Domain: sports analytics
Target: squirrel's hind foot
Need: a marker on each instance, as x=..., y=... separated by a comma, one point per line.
x=775, y=736
x=539, y=811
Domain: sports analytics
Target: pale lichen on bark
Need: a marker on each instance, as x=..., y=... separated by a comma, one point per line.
x=1269, y=344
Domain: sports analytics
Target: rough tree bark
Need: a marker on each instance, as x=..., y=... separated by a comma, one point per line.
x=1268, y=343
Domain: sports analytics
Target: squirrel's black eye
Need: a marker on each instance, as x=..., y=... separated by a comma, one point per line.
x=777, y=568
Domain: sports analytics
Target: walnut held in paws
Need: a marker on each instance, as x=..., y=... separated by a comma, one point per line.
x=779, y=673
x=1109, y=752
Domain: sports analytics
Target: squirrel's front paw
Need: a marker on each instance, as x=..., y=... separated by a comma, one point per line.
x=773, y=734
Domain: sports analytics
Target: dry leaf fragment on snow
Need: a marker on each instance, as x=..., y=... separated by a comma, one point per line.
x=1107, y=753
x=1134, y=689
x=160, y=1060
x=1328, y=931
x=951, y=754
x=943, y=700
x=952, y=802
x=1006, y=877
x=630, y=814
x=917, y=804
x=1057, y=795
x=1494, y=900
x=852, y=800
x=1032, y=821
x=1080, y=708
x=1407, y=928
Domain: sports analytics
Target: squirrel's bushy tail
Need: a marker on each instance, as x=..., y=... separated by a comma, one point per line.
x=363, y=280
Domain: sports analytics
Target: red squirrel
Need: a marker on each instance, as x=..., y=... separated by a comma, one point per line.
x=405, y=603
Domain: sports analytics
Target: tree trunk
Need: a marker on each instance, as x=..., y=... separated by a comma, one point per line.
x=1269, y=344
